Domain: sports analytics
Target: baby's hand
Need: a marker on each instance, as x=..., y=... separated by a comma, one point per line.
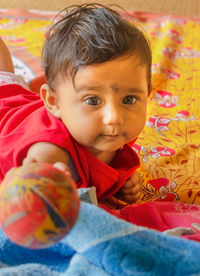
x=63, y=167
x=132, y=189
x=52, y=154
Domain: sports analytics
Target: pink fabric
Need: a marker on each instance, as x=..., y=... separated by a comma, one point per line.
x=162, y=216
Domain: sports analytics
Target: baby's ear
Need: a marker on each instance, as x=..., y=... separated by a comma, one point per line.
x=50, y=100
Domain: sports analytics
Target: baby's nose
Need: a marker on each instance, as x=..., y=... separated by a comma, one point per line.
x=112, y=114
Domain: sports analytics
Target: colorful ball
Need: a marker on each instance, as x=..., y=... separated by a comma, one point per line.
x=39, y=205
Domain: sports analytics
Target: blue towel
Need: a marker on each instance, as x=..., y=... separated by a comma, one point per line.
x=100, y=245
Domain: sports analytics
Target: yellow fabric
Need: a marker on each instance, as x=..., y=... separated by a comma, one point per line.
x=169, y=145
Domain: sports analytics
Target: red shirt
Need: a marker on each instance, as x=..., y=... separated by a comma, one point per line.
x=24, y=121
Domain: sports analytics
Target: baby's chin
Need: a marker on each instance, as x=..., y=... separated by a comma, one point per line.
x=104, y=149
x=106, y=144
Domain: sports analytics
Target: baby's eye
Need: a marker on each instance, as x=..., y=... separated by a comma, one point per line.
x=93, y=101
x=129, y=100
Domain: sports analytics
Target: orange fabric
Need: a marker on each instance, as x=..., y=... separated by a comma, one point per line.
x=36, y=83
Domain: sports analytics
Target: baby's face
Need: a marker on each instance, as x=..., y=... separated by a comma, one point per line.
x=106, y=107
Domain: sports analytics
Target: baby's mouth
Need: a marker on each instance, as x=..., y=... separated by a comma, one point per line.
x=111, y=136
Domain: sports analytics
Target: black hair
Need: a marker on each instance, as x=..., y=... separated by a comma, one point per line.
x=91, y=34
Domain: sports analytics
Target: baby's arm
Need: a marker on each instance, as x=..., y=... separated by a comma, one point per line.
x=42, y=151
x=5, y=58
x=53, y=154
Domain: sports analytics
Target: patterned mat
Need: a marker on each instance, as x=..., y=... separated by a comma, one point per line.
x=169, y=146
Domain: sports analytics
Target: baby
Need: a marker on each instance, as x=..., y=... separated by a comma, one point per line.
x=92, y=108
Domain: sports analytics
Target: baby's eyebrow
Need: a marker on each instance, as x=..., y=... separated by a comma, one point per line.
x=88, y=87
x=135, y=90
x=114, y=87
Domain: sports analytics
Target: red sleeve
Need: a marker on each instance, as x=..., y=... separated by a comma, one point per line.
x=24, y=121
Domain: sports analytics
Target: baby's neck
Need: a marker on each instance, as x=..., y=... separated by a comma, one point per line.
x=105, y=157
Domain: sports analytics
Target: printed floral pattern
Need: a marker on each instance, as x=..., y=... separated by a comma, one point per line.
x=160, y=189
x=169, y=146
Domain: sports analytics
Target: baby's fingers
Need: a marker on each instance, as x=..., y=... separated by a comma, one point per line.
x=131, y=191
x=135, y=179
x=131, y=198
x=63, y=167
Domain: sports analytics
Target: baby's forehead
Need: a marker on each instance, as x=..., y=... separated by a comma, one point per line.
x=94, y=75
x=127, y=77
